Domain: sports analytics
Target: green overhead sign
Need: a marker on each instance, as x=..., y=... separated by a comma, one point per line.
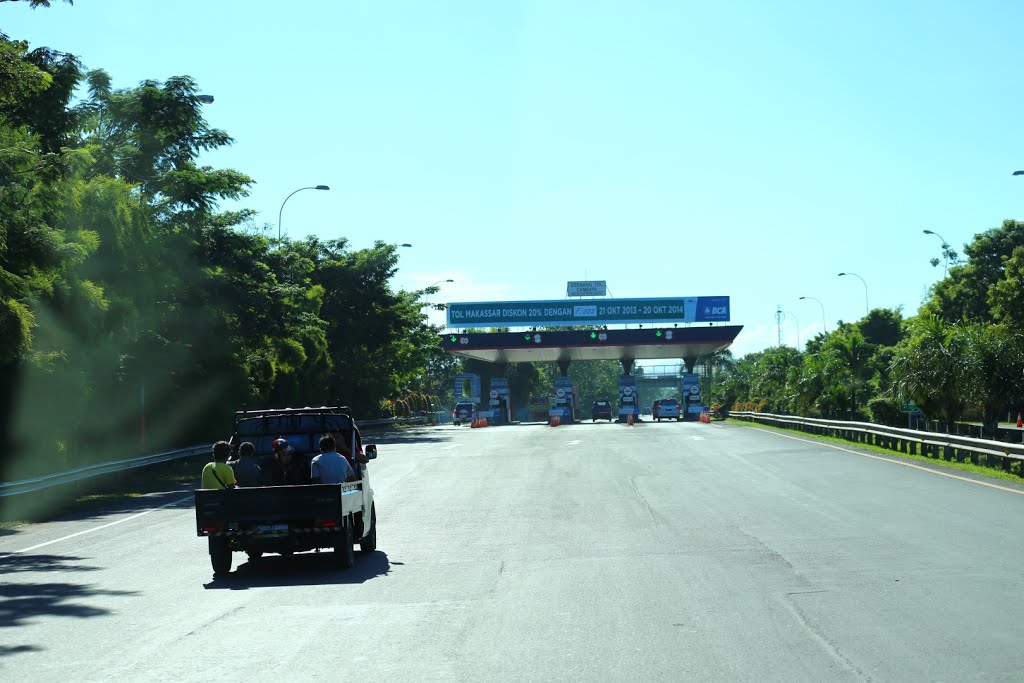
x=593, y=312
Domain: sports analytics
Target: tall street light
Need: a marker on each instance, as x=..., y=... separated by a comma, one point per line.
x=823, y=325
x=945, y=250
x=867, y=310
x=427, y=303
x=279, y=213
x=1018, y=173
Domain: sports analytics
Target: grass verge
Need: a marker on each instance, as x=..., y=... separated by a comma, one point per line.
x=982, y=470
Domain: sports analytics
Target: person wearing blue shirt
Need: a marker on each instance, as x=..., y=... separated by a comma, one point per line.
x=330, y=467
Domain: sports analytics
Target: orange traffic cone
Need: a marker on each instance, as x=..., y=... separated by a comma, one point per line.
x=629, y=420
x=555, y=421
x=1020, y=422
x=484, y=422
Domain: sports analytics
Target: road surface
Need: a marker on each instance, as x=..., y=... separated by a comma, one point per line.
x=663, y=551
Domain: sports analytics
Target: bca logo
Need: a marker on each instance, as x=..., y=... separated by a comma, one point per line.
x=716, y=310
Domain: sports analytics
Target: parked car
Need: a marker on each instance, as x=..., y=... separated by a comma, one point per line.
x=464, y=411
x=667, y=408
x=602, y=410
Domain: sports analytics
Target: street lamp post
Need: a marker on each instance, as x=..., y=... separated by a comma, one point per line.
x=945, y=250
x=427, y=303
x=281, y=212
x=824, y=326
x=867, y=309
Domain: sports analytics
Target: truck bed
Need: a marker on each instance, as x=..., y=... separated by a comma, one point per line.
x=228, y=511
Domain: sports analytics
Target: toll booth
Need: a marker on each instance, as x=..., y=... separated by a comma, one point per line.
x=629, y=398
x=499, y=405
x=563, y=401
x=691, y=402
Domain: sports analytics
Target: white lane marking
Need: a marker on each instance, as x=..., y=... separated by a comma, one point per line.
x=696, y=438
x=897, y=462
x=102, y=526
x=450, y=447
x=574, y=442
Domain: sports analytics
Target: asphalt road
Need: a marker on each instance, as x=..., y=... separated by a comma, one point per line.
x=595, y=552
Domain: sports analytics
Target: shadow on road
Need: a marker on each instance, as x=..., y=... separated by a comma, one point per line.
x=17, y=649
x=302, y=569
x=404, y=436
x=23, y=601
x=17, y=562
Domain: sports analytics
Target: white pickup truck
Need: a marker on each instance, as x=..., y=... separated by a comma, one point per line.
x=291, y=518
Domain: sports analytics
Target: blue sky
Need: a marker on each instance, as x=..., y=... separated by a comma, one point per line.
x=749, y=149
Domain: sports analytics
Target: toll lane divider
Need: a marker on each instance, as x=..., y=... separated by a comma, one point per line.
x=997, y=454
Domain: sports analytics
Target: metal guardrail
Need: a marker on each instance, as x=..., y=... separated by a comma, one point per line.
x=959, y=448
x=13, y=488
x=45, y=481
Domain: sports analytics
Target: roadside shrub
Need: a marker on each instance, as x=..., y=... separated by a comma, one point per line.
x=885, y=411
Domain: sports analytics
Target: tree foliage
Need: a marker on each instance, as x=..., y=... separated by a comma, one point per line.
x=136, y=314
x=961, y=356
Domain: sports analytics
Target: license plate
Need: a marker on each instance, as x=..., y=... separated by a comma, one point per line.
x=272, y=529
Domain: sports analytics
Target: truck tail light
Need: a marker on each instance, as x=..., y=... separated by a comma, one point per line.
x=325, y=522
x=219, y=526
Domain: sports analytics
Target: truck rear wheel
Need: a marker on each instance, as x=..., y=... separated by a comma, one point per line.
x=220, y=555
x=369, y=542
x=344, y=553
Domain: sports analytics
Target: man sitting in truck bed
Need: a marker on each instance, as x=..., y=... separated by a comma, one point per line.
x=344, y=441
x=330, y=467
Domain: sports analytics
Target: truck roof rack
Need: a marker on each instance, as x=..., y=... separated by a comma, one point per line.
x=308, y=410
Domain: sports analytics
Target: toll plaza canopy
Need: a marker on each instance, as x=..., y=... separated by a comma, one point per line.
x=688, y=343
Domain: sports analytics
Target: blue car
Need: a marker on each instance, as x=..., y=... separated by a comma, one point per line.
x=667, y=408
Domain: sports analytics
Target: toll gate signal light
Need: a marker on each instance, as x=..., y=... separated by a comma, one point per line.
x=593, y=335
x=453, y=338
x=526, y=337
x=658, y=333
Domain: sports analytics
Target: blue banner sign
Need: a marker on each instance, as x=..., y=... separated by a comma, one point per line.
x=695, y=309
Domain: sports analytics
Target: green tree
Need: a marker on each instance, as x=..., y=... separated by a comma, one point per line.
x=965, y=293
x=930, y=367
x=994, y=376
